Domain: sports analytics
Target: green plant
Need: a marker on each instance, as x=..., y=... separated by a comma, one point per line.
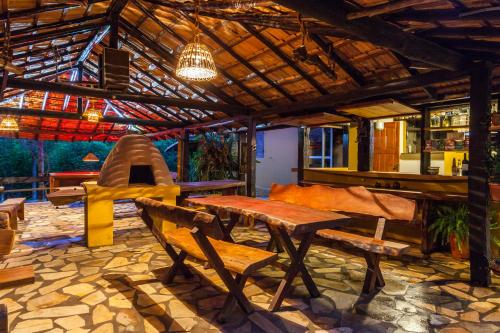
x=214, y=158
x=451, y=220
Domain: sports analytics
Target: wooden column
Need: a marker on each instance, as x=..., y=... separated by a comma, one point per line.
x=113, y=32
x=79, y=77
x=479, y=226
x=251, y=157
x=300, y=155
x=364, y=133
x=183, y=158
x=425, y=157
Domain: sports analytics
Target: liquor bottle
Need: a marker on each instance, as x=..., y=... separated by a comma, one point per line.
x=465, y=166
x=459, y=167
x=454, y=169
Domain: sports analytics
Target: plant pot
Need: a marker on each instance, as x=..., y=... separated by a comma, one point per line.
x=495, y=191
x=463, y=252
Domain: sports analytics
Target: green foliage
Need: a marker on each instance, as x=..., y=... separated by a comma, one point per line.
x=16, y=158
x=451, y=220
x=67, y=156
x=168, y=149
x=214, y=158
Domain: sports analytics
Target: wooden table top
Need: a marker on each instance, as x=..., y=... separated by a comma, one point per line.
x=293, y=218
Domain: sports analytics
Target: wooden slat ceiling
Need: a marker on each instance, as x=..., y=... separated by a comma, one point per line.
x=253, y=48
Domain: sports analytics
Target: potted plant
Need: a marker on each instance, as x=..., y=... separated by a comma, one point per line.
x=452, y=226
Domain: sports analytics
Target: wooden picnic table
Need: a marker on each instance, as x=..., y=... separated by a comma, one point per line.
x=284, y=221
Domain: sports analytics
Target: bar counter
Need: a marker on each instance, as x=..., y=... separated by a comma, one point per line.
x=405, y=184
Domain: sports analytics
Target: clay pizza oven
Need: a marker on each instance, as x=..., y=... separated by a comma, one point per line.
x=134, y=161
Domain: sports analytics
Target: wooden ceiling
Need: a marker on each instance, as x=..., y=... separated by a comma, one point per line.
x=253, y=44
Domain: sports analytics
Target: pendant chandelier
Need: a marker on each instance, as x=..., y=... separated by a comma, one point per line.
x=196, y=62
x=90, y=157
x=9, y=124
x=92, y=114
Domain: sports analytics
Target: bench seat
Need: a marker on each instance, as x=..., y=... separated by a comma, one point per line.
x=236, y=258
x=16, y=201
x=12, y=211
x=365, y=243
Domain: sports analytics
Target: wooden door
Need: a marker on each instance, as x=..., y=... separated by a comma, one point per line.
x=386, y=148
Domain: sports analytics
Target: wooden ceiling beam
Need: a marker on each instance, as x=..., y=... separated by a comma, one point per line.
x=240, y=58
x=35, y=11
x=386, y=8
x=442, y=15
x=211, y=87
x=21, y=41
x=62, y=48
x=69, y=89
x=379, y=32
x=330, y=52
x=26, y=112
x=278, y=52
x=368, y=91
x=94, y=74
x=54, y=25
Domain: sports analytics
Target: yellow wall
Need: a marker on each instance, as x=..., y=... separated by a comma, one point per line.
x=448, y=160
x=353, y=148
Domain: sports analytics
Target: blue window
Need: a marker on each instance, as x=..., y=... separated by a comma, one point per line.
x=259, y=138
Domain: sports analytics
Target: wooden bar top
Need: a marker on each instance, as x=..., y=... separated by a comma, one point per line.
x=294, y=219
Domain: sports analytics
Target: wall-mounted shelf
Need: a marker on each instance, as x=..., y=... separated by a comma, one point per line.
x=445, y=129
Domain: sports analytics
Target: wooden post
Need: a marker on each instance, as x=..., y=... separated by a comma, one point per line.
x=479, y=226
x=79, y=100
x=425, y=157
x=183, y=157
x=364, y=133
x=300, y=156
x=113, y=33
x=251, y=157
x=41, y=166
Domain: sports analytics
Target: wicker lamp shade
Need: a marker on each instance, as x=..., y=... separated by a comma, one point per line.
x=196, y=63
x=92, y=114
x=9, y=124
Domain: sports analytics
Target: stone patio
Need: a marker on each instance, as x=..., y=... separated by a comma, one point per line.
x=117, y=288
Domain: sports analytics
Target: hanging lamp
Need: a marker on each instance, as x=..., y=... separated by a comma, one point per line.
x=196, y=62
x=9, y=124
x=92, y=114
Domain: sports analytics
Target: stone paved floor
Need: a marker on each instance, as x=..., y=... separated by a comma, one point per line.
x=116, y=288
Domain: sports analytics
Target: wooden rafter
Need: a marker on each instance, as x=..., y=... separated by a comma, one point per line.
x=379, y=33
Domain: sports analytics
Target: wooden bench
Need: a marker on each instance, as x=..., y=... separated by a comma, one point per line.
x=201, y=235
x=358, y=203
x=15, y=208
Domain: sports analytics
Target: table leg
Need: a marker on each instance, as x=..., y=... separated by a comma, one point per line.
x=297, y=265
x=98, y=222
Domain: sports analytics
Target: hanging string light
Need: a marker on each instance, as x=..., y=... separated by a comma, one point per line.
x=196, y=62
x=92, y=114
x=9, y=124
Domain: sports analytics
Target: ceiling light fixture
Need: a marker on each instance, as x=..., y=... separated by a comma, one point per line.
x=9, y=124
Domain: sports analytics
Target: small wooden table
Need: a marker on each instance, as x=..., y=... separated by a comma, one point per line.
x=284, y=221
x=226, y=186
x=70, y=178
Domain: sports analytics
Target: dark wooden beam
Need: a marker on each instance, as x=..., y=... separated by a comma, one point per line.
x=101, y=93
x=343, y=63
x=368, y=91
x=425, y=156
x=386, y=8
x=53, y=25
x=251, y=160
x=461, y=33
x=63, y=48
x=379, y=32
x=270, y=45
x=241, y=59
x=22, y=41
x=35, y=11
x=79, y=78
x=183, y=157
x=158, y=49
x=364, y=135
x=75, y=116
x=442, y=15
x=479, y=224
x=412, y=71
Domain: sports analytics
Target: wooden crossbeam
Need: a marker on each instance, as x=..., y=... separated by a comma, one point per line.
x=25, y=112
x=368, y=91
x=379, y=32
x=269, y=44
x=34, y=11
x=241, y=59
x=327, y=48
x=386, y=8
x=69, y=89
x=63, y=49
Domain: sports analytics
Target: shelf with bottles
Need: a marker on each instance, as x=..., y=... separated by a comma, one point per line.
x=447, y=129
x=454, y=117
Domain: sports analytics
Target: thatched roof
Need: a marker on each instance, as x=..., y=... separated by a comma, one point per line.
x=253, y=43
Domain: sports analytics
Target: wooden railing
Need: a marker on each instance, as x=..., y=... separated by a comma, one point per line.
x=37, y=184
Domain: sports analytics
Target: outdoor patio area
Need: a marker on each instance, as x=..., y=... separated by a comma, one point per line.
x=117, y=288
